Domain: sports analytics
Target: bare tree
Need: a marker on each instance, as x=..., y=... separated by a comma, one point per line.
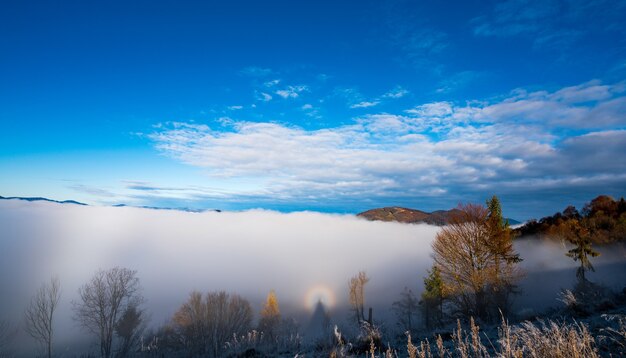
x=40, y=312
x=229, y=315
x=406, y=309
x=357, y=295
x=191, y=324
x=205, y=325
x=103, y=301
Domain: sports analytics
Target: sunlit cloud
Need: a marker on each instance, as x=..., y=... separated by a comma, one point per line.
x=432, y=149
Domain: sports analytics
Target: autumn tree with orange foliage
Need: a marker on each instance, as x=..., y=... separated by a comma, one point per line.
x=475, y=257
x=269, y=323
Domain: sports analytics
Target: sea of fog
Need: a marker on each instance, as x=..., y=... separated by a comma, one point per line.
x=304, y=257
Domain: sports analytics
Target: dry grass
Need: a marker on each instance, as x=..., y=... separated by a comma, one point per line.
x=541, y=339
x=551, y=339
x=613, y=337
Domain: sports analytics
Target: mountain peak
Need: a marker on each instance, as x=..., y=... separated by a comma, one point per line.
x=409, y=216
x=413, y=216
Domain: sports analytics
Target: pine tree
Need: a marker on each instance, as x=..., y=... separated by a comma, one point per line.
x=432, y=298
x=500, y=240
x=582, y=251
x=500, y=243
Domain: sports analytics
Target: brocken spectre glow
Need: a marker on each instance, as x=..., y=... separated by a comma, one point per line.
x=317, y=293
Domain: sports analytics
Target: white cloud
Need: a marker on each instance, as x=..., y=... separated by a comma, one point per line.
x=271, y=83
x=234, y=108
x=365, y=104
x=311, y=111
x=397, y=92
x=436, y=109
x=589, y=105
x=586, y=92
x=390, y=123
x=357, y=100
x=292, y=91
x=374, y=157
x=432, y=148
x=264, y=97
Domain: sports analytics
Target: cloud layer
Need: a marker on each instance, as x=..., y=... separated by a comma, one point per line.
x=176, y=252
x=249, y=252
x=524, y=142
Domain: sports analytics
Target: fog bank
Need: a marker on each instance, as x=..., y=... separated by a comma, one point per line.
x=303, y=256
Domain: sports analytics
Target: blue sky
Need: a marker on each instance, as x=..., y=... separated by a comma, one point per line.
x=314, y=105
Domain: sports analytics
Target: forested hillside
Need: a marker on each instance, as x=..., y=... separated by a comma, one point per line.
x=603, y=219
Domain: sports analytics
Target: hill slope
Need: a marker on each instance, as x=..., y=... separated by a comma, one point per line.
x=603, y=217
x=414, y=216
x=409, y=216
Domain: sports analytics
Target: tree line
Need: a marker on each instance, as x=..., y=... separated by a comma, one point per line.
x=110, y=308
x=475, y=271
x=603, y=217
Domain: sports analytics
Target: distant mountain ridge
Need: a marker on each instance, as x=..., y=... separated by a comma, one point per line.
x=413, y=216
x=38, y=198
x=189, y=210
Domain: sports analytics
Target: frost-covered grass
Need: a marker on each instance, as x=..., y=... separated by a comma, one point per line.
x=542, y=338
x=580, y=329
